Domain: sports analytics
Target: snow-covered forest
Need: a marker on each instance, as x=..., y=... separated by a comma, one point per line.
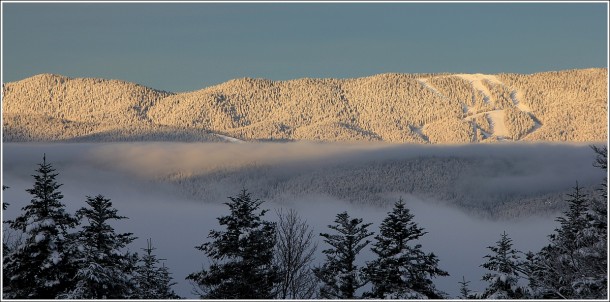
x=558, y=106
x=251, y=245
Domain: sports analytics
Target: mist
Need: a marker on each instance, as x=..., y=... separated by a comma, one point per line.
x=133, y=176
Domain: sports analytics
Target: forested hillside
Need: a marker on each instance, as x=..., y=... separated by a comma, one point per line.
x=467, y=183
x=418, y=108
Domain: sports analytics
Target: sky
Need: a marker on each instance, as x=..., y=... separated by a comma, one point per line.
x=189, y=46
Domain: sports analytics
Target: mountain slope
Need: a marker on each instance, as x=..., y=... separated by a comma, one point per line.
x=419, y=108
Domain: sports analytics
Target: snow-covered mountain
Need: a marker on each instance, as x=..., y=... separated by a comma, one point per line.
x=417, y=108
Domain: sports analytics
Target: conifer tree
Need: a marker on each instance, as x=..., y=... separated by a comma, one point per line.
x=5, y=249
x=530, y=270
x=242, y=255
x=402, y=270
x=4, y=204
x=465, y=292
x=599, y=229
x=38, y=267
x=153, y=281
x=104, y=269
x=340, y=276
x=574, y=264
x=601, y=161
x=504, y=266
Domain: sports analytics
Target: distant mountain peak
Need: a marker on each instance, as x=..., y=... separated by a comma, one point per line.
x=566, y=105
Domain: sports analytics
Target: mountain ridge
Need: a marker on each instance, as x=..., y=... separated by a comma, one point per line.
x=553, y=106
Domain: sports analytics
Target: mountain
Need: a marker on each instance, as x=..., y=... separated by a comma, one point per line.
x=557, y=106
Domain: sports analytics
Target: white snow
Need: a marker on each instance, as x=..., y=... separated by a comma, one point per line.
x=39, y=237
x=418, y=131
x=424, y=81
x=31, y=226
x=477, y=81
x=503, y=277
x=228, y=138
x=50, y=283
x=496, y=118
x=55, y=257
x=516, y=96
x=47, y=223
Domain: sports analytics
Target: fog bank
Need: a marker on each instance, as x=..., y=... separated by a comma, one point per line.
x=128, y=174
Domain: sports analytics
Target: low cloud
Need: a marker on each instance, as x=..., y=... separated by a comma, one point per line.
x=177, y=224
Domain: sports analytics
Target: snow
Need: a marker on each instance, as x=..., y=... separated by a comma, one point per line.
x=47, y=223
x=39, y=237
x=418, y=131
x=228, y=138
x=503, y=277
x=50, y=283
x=424, y=82
x=55, y=257
x=496, y=118
x=477, y=82
x=31, y=226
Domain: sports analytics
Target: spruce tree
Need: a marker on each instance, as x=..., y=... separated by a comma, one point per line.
x=504, y=266
x=242, y=254
x=340, y=276
x=530, y=271
x=402, y=270
x=38, y=267
x=465, y=292
x=5, y=249
x=104, y=268
x=599, y=229
x=574, y=264
x=153, y=281
x=4, y=204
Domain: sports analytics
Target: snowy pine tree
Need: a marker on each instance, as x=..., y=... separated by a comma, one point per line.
x=104, y=269
x=153, y=281
x=402, y=270
x=599, y=229
x=242, y=255
x=465, y=292
x=504, y=266
x=574, y=264
x=5, y=249
x=601, y=161
x=4, y=204
x=38, y=267
x=340, y=276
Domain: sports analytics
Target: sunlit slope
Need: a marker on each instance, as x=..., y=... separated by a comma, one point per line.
x=417, y=108
x=51, y=107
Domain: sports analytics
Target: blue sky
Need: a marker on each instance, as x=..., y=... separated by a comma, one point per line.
x=183, y=47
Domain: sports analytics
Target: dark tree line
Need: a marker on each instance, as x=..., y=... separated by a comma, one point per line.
x=80, y=256
x=573, y=265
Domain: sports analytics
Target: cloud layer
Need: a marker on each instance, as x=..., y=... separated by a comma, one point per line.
x=128, y=173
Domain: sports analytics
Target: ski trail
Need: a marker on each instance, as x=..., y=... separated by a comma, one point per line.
x=424, y=82
x=476, y=80
x=229, y=139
